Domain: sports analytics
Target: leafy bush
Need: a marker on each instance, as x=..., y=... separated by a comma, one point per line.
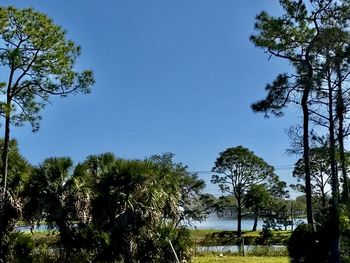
x=302, y=244
x=268, y=251
x=19, y=248
x=156, y=248
x=43, y=253
x=308, y=245
x=265, y=236
x=345, y=249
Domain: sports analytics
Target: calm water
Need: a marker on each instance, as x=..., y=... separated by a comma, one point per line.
x=37, y=228
x=213, y=222
x=232, y=249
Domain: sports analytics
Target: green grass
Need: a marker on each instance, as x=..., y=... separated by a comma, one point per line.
x=204, y=237
x=43, y=237
x=237, y=259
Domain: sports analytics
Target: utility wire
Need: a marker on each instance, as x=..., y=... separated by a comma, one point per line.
x=280, y=168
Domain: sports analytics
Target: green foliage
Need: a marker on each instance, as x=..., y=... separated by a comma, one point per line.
x=157, y=249
x=299, y=206
x=10, y=208
x=313, y=36
x=233, y=258
x=302, y=244
x=40, y=61
x=43, y=254
x=108, y=209
x=289, y=37
x=277, y=97
x=193, y=204
x=239, y=160
x=309, y=245
x=19, y=169
x=265, y=236
x=320, y=172
x=267, y=251
x=237, y=170
x=345, y=233
x=223, y=238
x=46, y=192
x=225, y=205
x=345, y=249
x=20, y=248
x=276, y=214
x=257, y=198
x=344, y=222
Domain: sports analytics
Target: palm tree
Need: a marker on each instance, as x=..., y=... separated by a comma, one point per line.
x=10, y=207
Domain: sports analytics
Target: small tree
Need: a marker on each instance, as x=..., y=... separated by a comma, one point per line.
x=237, y=170
x=19, y=171
x=257, y=199
x=39, y=62
x=191, y=203
x=291, y=37
x=320, y=173
x=267, y=201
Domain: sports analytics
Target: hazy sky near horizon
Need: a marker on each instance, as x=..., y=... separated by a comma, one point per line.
x=171, y=76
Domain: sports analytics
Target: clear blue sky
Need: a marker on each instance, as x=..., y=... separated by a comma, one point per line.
x=171, y=76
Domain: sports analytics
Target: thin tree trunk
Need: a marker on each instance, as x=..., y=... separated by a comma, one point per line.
x=340, y=114
x=334, y=256
x=308, y=85
x=239, y=217
x=342, y=161
x=306, y=154
x=5, y=220
x=5, y=151
x=256, y=217
x=323, y=197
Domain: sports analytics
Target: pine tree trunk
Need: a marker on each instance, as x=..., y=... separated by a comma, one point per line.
x=334, y=256
x=323, y=198
x=340, y=114
x=239, y=217
x=306, y=154
x=5, y=151
x=256, y=217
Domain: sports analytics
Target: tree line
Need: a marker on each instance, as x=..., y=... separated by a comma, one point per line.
x=313, y=37
x=107, y=208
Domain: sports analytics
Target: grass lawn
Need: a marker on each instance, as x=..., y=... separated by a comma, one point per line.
x=237, y=259
x=43, y=237
x=219, y=237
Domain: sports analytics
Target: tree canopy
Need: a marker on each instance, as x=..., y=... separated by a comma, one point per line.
x=313, y=36
x=236, y=170
x=39, y=62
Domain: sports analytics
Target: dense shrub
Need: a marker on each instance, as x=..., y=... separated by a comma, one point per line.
x=110, y=210
x=268, y=251
x=42, y=253
x=345, y=249
x=309, y=245
x=20, y=248
x=302, y=244
x=265, y=236
x=156, y=248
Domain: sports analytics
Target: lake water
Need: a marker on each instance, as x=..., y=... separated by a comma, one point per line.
x=233, y=249
x=213, y=222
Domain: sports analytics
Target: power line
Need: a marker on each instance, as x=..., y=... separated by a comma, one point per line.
x=277, y=168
